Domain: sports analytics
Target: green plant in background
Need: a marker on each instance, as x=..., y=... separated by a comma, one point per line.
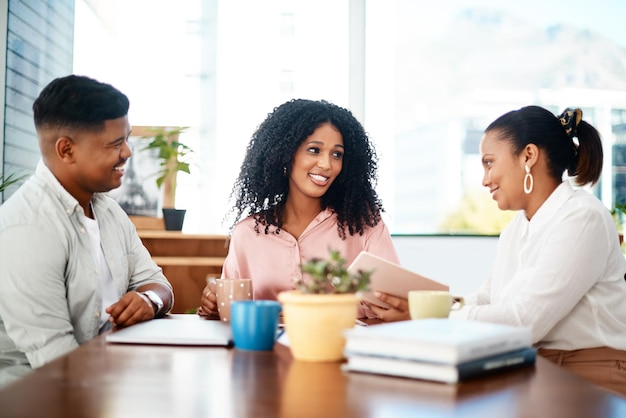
x=173, y=159
x=618, y=211
x=477, y=213
x=6, y=181
x=328, y=276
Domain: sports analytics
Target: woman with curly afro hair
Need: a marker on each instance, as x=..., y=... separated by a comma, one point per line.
x=306, y=186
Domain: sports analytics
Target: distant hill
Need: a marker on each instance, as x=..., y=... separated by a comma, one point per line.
x=488, y=49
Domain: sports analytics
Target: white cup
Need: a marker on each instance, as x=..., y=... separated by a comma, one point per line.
x=433, y=303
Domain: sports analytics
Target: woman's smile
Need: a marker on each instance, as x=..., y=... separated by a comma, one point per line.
x=319, y=179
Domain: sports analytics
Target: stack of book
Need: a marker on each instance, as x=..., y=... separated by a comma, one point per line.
x=443, y=350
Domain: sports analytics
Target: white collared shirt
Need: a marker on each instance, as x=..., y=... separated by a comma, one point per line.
x=561, y=274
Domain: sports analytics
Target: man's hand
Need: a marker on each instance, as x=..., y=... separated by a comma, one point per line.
x=130, y=309
x=398, y=312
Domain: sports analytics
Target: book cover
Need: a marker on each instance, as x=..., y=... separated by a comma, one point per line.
x=446, y=373
x=441, y=340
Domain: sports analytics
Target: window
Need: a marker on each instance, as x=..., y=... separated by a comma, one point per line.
x=449, y=70
x=434, y=77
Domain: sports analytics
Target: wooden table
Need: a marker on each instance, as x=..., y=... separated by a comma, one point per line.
x=111, y=380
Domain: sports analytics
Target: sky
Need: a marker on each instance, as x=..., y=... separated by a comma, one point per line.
x=602, y=16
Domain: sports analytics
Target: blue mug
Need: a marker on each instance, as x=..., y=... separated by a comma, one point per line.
x=254, y=324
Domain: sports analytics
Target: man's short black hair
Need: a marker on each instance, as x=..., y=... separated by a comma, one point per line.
x=78, y=102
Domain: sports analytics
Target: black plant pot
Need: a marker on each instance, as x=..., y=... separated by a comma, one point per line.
x=173, y=219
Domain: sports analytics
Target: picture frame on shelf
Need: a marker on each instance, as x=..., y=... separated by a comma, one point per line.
x=139, y=195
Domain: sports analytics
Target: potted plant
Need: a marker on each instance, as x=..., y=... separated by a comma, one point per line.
x=323, y=306
x=173, y=159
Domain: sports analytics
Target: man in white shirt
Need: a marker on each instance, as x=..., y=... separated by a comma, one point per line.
x=71, y=263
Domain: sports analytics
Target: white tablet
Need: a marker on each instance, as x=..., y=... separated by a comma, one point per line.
x=388, y=277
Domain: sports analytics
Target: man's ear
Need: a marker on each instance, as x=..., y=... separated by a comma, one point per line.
x=530, y=155
x=64, y=148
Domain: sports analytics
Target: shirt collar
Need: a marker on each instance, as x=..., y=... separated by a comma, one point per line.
x=319, y=218
x=323, y=215
x=68, y=201
x=550, y=207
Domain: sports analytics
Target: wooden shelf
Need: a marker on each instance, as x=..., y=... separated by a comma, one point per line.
x=145, y=223
x=187, y=260
x=163, y=234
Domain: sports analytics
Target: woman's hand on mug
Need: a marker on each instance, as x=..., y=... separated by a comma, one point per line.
x=398, y=312
x=208, y=303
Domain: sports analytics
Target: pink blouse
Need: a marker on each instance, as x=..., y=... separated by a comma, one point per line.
x=273, y=261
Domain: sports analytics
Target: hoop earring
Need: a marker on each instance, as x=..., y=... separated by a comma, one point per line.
x=528, y=180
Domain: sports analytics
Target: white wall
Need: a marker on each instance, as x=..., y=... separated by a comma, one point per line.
x=463, y=263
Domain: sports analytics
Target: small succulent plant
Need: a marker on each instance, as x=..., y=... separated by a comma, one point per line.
x=328, y=276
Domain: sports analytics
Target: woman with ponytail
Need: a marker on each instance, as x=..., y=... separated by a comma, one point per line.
x=559, y=269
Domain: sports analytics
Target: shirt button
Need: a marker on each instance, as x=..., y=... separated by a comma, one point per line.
x=97, y=314
x=77, y=208
x=82, y=230
x=68, y=211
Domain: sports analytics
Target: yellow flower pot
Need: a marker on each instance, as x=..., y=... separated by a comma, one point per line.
x=315, y=323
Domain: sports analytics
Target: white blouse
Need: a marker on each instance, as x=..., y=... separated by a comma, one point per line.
x=561, y=274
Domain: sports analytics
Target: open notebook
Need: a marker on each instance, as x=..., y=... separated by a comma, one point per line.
x=177, y=329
